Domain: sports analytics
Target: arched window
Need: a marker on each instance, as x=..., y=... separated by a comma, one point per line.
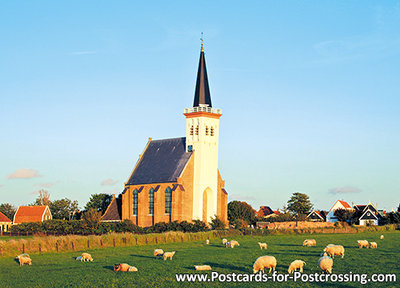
x=135, y=202
x=151, y=201
x=206, y=130
x=191, y=130
x=197, y=130
x=168, y=200
x=212, y=131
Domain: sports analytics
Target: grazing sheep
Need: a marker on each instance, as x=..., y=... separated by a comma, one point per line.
x=263, y=245
x=382, y=237
x=232, y=244
x=158, y=252
x=296, y=264
x=24, y=259
x=123, y=267
x=207, y=242
x=334, y=250
x=325, y=263
x=309, y=242
x=224, y=241
x=264, y=262
x=202, y=267
x=79, y=258
x=373, y=245
x=362, y=243
x=168, y=255
x=86, y=257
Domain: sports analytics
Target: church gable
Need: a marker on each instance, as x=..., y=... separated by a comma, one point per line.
x=162, y=162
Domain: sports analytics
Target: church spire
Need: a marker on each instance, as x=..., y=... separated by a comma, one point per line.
x=202, y=93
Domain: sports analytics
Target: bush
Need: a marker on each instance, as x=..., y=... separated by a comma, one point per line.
x=217, y=224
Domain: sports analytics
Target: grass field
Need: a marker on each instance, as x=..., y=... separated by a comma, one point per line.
x=61, y=270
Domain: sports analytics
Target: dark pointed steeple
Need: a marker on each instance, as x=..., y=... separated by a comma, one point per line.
x=202, y=92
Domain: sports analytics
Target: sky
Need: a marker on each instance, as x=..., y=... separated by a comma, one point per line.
x=309, y=92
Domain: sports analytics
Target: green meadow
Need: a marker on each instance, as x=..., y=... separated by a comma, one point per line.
x=62, y=270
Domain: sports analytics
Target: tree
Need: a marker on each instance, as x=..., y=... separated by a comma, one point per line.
x=99, y=202
x=8, y=210
x=63, y=208
x=43, y=198
x=299, y=203
x=343, y=215
x=216, y=223
x=241, y=210
x=92, y=218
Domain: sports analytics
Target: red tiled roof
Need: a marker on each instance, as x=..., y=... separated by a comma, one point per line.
x=345, y=204
x=29, y=214
x=4, y=218
x=264, y=211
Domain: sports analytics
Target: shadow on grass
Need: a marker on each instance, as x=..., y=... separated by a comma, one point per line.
x=108, y=267
x=227, y=266
x=144, y=256
x=288, y=245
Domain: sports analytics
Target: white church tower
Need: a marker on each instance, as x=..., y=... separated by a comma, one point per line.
x=202, y=132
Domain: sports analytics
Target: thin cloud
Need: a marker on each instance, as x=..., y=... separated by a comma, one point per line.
x=344, y=190
x=241, y=197
x=83, y=53
x=108, y=182
x=45, y=185
x=23, y=173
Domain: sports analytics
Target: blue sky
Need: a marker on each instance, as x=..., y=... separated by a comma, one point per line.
x=309, y=92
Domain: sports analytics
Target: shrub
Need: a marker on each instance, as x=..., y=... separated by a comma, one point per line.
x=217, y=224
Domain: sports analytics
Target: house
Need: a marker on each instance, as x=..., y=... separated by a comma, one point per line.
x=317, y=216
x=339, y=204
x=267, y=212
x=32, y=214
x=366, y=214
x=178, y=179
x=5, y=223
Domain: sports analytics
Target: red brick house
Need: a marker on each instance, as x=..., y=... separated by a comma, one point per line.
x=5, y=223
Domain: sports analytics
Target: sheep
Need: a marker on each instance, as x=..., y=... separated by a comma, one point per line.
x=207, y=242
x=334, y=250
x=202, y=267
x=224, y=241
x=24, y=259
x=79, y=258
x=382, y=237
x=232, y=244
x=158, y=253
x=373, y=245
x=325, y=263
x=264, y=262
x=86, y=257
x=362, y=243
x=263, y=245
x=309, y=242
x=123, y=267
x=296, y=264
x=168, y=255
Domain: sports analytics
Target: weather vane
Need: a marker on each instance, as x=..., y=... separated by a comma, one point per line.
x=201, y=39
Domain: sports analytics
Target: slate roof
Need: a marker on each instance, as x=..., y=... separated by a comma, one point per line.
x=202, y=92
x=162, y=162
x=113, y=212
x=368, y=215
x=4, y=218
x=29, y=214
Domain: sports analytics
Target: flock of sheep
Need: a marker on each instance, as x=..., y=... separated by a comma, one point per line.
x=325, y=263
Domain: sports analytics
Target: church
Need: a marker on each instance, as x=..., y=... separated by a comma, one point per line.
x=178, y=179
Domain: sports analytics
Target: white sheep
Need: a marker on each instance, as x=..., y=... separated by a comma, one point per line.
x=334, y=250
x=208, y=242
x=224, y=241
x=86, y=257
x=202, y=267
x=158, y=252
x=79, y=258
x=325, y=263
x=263, y=245
x=168, y=255
x=362, y=243
x=264, y=262
x=24, y=259
x=373, y=245
x=123, y=267
x=296, y=264
x=309, y=242
x=232, y=244
x=382, y=237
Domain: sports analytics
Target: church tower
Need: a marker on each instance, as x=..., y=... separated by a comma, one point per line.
x=202, y=132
